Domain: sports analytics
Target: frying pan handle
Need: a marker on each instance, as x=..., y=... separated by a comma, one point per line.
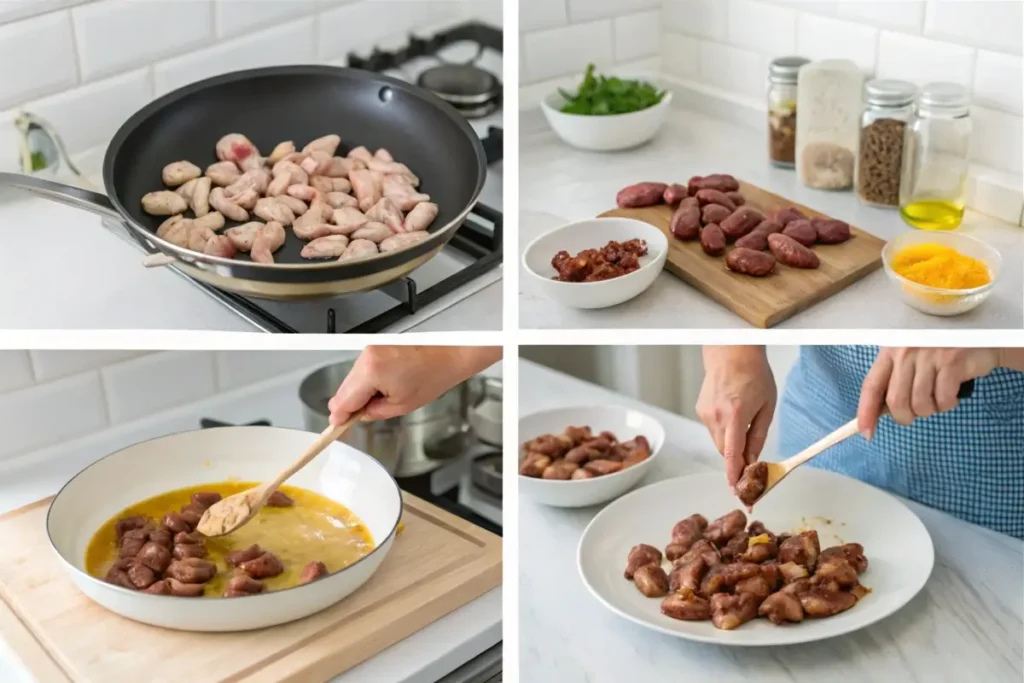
x=64, y=194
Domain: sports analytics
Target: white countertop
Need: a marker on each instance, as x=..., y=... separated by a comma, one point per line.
x=559, y=184
x=62, y=269
x=964, y=627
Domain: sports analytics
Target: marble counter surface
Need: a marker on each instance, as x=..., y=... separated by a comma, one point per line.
x=559, y=184
x=964, y=627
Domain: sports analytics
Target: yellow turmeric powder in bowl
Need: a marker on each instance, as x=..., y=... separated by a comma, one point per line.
x=939, y=266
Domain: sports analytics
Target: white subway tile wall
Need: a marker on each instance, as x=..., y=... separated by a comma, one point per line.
x=50, y=401
x=976, y=43
x=559, y=38
x=86, y=65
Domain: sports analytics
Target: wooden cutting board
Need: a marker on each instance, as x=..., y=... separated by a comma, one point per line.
x=764, y=301
x=437, y=564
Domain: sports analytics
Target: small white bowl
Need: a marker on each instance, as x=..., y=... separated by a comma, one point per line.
x=594, y=233
x=935, y=300
x=609, y=133
x=625, y=423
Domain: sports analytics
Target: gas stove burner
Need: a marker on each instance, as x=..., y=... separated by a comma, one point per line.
x=473, y=91
x=207, y=423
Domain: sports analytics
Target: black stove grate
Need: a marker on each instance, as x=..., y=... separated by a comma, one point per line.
x=474, y=32
x=472, y=238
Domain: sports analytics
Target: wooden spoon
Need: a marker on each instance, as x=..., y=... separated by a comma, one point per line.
x=234, y=511
x=777, y=471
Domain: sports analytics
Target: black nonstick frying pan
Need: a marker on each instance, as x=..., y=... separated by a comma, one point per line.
x=269, y=106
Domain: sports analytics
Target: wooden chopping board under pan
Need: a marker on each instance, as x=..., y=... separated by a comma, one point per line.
x=437, y=564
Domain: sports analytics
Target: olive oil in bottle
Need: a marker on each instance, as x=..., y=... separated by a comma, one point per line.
x=933, y=214
x=936, y=150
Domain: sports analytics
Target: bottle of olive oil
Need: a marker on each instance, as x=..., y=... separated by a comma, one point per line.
x=933, y=181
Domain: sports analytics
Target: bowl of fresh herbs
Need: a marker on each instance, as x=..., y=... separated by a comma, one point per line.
x=607, y=113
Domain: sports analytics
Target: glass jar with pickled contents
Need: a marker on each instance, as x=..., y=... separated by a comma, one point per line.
x=782, y=79
x=889, y=106
x=936, y=154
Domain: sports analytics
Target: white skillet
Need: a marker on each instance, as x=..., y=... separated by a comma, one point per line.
x=896, y=543
x=129, y=476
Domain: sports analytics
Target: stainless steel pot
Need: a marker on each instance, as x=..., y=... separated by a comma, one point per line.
x=407, y=446
x=485, y=412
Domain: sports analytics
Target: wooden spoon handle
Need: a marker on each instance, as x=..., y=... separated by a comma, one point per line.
x=848, y=430
x=326, y=438
x=821, y=445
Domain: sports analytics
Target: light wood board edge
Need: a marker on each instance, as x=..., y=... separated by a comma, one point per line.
x=474, y=578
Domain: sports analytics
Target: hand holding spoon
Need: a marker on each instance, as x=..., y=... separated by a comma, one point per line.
x=234, y=511
x=761, y=477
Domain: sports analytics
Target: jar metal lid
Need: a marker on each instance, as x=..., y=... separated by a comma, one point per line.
x=785, y=69
x=945, y=97
x=889, y=92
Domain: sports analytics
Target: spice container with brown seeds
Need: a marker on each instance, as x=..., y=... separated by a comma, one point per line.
x=889, y=106
x=829, y=102
x=782, y=79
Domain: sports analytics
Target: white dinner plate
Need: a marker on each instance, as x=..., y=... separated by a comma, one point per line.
x=899, y=550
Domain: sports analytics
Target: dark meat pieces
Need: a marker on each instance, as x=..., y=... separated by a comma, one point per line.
x=176, y=523
x=780, y=608
x=837, y=569
x=725, y=527
x=688, y=531
x=802, y=549
x=205, y=499
x=821, y=602
x=687, y=575
x=279, y=500
x=184, y=590
x=640, y=556
x=732, y=575
x=702, y=549
x=685, y=605
x=853, y=552
x=141, y=576
x=753, y=483
x=239, y=556
x=730, y=611
x=760, y=549
x=651, y=580
x=578, y=454
x=242, y=584
x=593, y=265
x=155, y=556
x=126, y=524
x=263, y=567
x=191, y=570
x=313, y=571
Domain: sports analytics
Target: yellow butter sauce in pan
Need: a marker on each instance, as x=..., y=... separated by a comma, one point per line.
x=314, y=528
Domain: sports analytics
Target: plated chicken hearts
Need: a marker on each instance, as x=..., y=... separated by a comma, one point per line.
x=347, y=207
x=732, y=573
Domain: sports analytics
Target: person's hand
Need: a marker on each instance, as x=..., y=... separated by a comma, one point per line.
x=737, y=403
x=394, y=380
x=917, y=383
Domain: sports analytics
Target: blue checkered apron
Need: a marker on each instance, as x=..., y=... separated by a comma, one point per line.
x=968, y=462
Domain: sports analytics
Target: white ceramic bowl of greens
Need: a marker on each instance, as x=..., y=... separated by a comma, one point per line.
x=607, y=114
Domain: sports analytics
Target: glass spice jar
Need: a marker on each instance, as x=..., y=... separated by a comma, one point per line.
x=889, y=106
x=829, y=100
x=936, y=154
x=782, y=79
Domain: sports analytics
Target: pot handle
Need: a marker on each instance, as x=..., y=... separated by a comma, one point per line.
x=63, y=194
